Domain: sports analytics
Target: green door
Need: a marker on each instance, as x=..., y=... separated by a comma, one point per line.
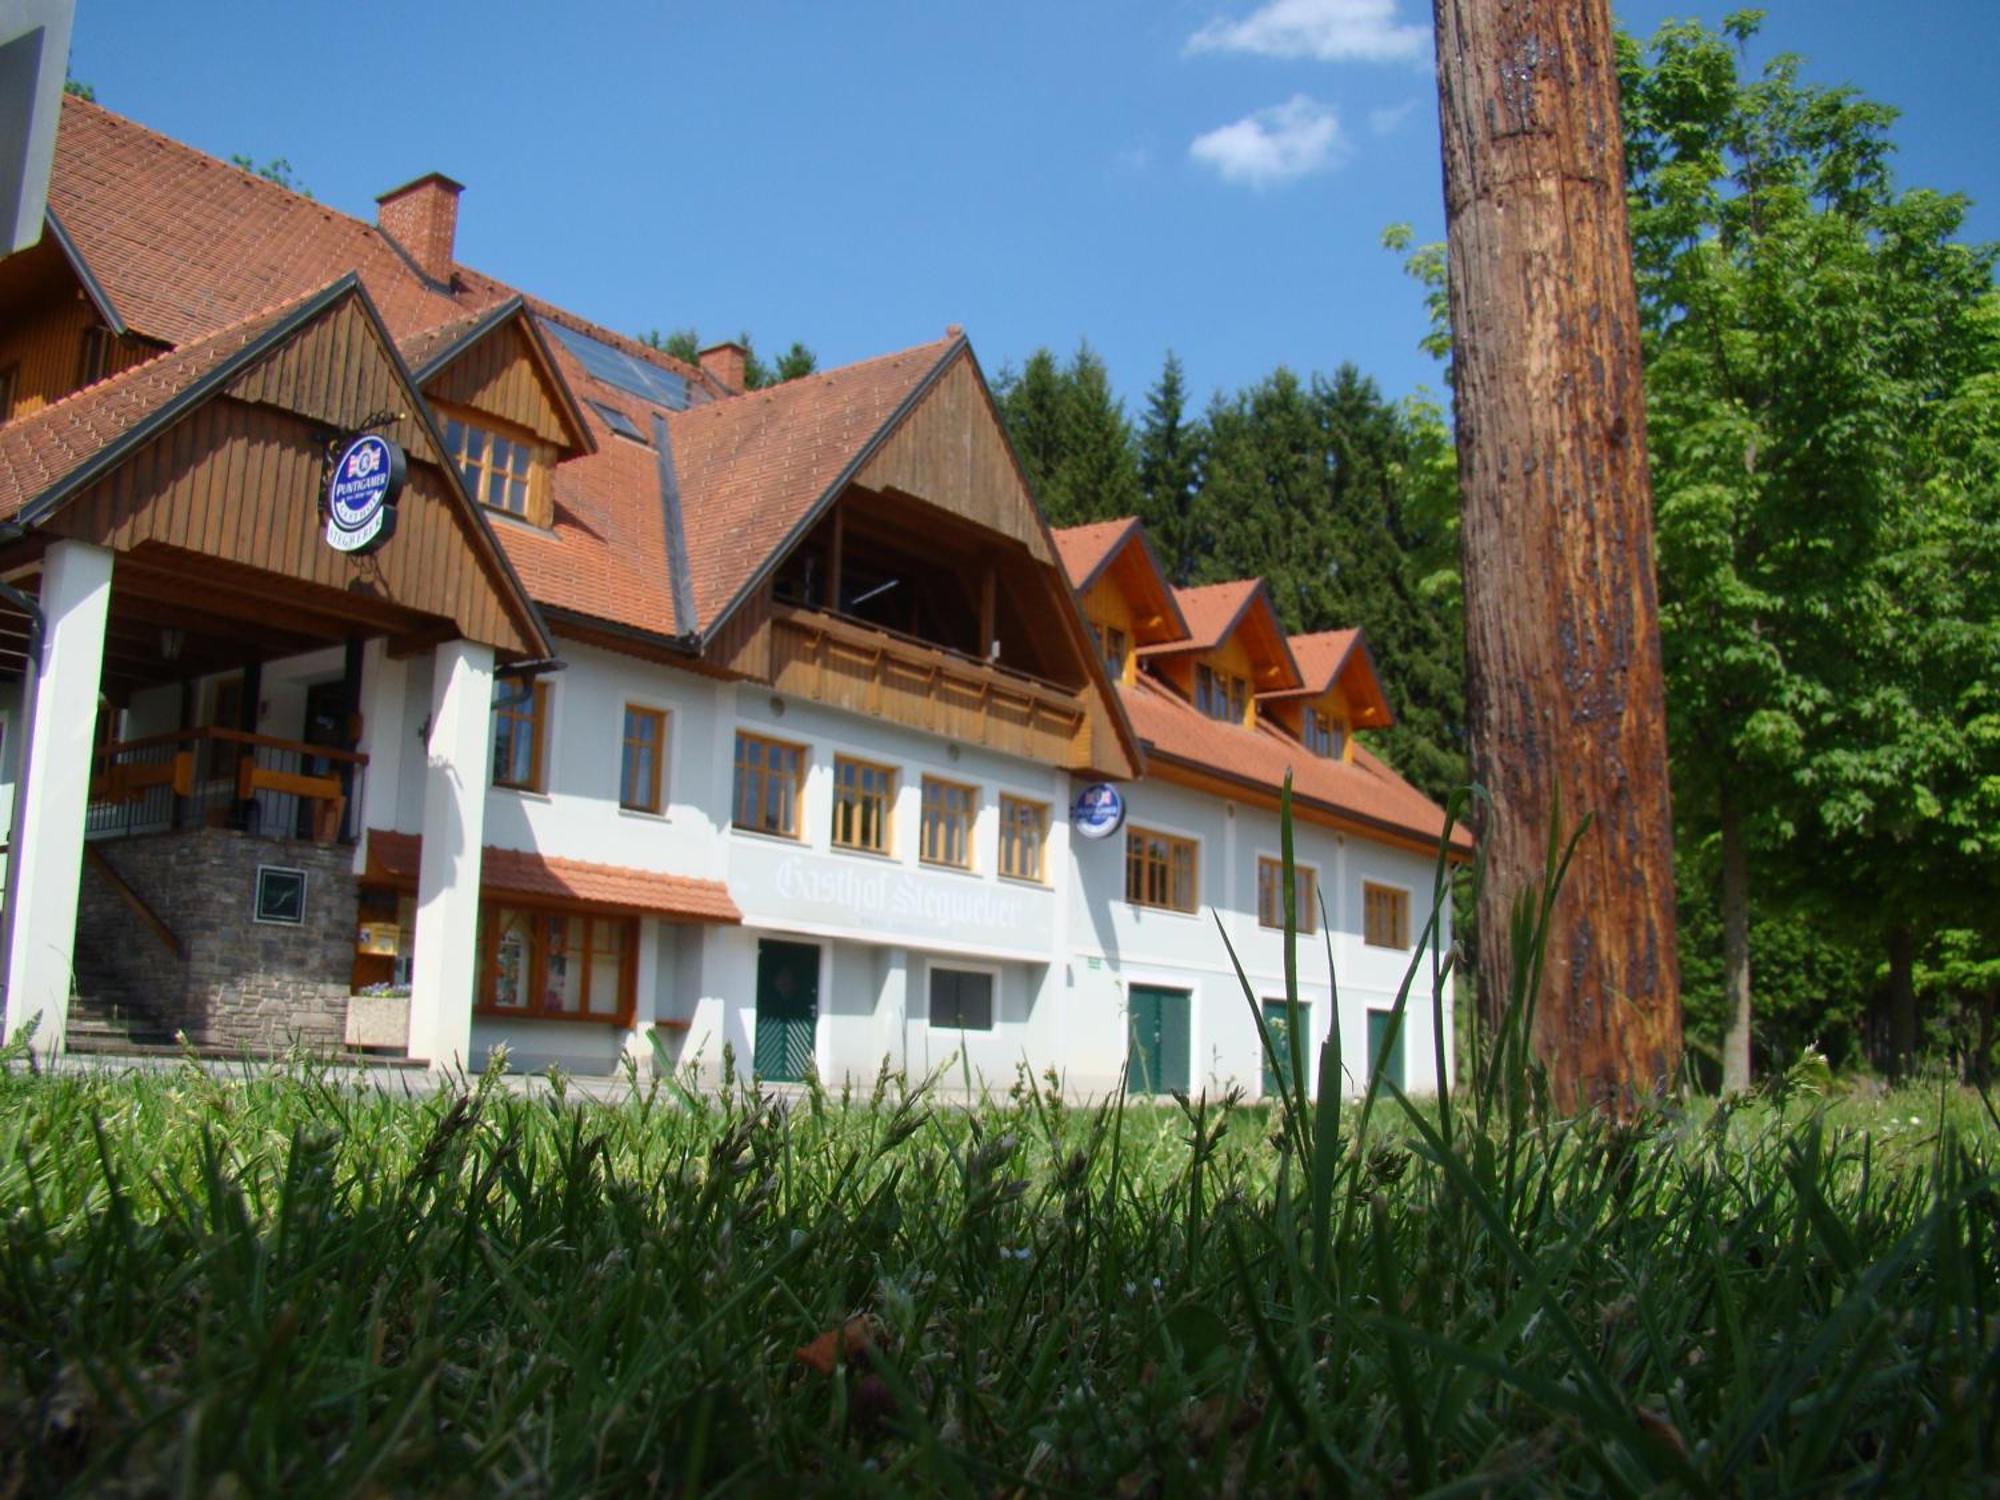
x=1158, y=1027
x=1378, y=1028
x=787, y=1009
x=1278, y=1019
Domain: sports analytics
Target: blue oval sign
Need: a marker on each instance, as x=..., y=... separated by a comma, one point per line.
x=361, y=495
x=1099, y=811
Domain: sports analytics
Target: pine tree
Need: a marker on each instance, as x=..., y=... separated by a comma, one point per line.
x=1171, y=502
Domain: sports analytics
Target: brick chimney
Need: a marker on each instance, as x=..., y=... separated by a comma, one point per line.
x=422, y=217
x=725, y=362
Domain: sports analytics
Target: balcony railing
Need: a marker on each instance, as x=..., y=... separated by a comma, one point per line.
x=225, y=778
x=866, y=669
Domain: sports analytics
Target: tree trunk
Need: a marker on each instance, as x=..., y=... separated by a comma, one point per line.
x=1564, y=691
x=1902, y=1002
x=1735, y=944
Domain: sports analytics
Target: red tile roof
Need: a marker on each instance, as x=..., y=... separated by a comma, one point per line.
x=186, y=244
x=521, y=873
x=1085, y=549
x=1321, y=656
x=753, y=467
x=1212, y=611
x=51, y=444
x=1363, y=790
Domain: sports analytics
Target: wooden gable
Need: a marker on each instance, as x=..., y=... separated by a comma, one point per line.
x=951, y=452
x=231, y=488
x=503, y=374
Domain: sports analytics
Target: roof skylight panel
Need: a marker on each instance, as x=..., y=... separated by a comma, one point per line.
x=621, y=370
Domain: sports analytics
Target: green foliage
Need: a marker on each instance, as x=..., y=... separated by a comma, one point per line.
x=1171, y=461
x=685, y=345
x=277, y=170
x=1071, y=434
x=80, y=89
x=1821, y=374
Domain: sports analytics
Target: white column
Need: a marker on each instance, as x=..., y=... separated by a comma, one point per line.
x=892, y=1009
x=45, y=853
x=386, y=736
x=446, y=964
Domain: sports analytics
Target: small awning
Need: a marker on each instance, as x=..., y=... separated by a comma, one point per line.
x=395, y=858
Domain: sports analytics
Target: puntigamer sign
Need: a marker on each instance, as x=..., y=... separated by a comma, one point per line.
x=361, y=494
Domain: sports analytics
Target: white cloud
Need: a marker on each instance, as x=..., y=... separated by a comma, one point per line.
x=1275, y=145
x=1387, y=121
x=1324, y=30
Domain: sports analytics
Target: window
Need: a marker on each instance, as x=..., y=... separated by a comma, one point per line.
x=768, y=773
x=1326, y=734
x=1385, y=916
x=555, y=965
x=1024, y=828
x=1271, y=893
x=962, y=999
x=642, y=767
x=864, y=795
x=520, y=708
x=948, y=812
x=1220, y=695
x=93, y=357
x=1111, y=645
x=501, y=471
x=1159, y=870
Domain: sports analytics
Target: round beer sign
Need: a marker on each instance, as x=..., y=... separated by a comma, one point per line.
x=1099, y=811
x=361, y=495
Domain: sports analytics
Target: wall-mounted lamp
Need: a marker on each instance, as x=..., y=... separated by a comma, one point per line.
x=171, y=641
x=777, y=707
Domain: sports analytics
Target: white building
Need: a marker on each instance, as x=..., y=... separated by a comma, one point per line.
x=672, y=715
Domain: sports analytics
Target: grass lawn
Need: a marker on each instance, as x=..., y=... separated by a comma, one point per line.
x=288, y=1284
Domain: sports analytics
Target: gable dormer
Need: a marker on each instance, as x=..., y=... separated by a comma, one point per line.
x=1340, y=694
x=1122, y=590
x=507, y=414
x=1235, y=651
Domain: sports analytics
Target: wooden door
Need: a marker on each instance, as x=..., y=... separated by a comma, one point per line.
x=787, y=1010
x=1159, y=1042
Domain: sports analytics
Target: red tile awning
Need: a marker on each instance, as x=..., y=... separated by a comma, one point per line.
x=395, y=858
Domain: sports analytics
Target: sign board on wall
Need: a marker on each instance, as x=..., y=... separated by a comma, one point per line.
x=1099, y=811
x=361, y=493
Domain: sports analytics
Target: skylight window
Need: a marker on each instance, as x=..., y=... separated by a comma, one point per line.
x=618, y=422
x=617, y=368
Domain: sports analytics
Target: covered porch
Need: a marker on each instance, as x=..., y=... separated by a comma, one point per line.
x=205, y=698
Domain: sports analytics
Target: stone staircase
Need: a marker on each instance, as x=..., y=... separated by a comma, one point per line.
x=109, y=1020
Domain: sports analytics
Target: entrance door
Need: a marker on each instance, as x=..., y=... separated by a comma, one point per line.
x=1159, y=1051
x=787, y=1009
x=1278, y=1021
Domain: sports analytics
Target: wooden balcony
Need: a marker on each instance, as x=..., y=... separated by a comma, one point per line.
x=868, y=670
x=224, y=778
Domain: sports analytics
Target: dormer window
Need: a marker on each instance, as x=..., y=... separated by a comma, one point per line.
x=1220, y=695
x=504, y=470
x=1326, y=734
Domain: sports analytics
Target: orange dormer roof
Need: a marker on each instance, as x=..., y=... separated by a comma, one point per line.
x=1215, y=612
x=1340, y=658
x=1118, y=550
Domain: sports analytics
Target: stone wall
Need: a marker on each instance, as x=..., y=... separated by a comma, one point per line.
x=242, y=982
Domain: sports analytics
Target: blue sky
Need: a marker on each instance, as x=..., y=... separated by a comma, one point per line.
x=1207, y=175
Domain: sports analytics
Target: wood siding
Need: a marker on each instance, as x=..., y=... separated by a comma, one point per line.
x=951, y=452
x=500, y=377
x=241, y=485
x=871, y=672
x=45, y=351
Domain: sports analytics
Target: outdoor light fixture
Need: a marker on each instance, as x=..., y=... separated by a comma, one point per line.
x=171, y=641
